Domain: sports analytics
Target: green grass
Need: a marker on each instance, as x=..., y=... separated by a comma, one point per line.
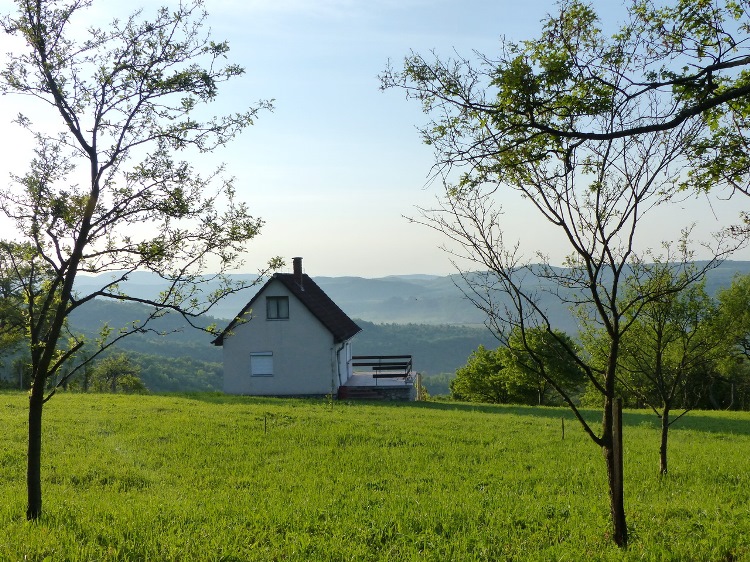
x=209, y=477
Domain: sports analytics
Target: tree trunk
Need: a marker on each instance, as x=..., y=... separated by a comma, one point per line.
x=664, y=437
x=612, y=450
x=34, y=457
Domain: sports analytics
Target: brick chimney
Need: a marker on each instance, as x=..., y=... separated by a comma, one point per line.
x=297, y=270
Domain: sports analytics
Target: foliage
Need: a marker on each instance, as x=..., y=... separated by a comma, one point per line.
x=670, y=346
x=481, y=379
x=126, y=97
x=666, y=65
x=179, y=374
x=207, y=476
x=12, y=325
x=117, y=373
x=434, y=348
x=668, y=353
x=704, y=354
x=438, y=386
x=534, y=358
x=730, y=387
x=17, y=371
x=512, y=374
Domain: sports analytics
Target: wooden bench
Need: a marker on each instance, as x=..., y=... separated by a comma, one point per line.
x=385, y=366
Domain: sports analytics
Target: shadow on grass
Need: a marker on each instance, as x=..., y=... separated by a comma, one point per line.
x=700, y=420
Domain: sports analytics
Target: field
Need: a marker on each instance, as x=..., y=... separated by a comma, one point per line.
x=210, y=477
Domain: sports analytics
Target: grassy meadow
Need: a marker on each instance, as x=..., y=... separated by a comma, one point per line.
x=212, y=477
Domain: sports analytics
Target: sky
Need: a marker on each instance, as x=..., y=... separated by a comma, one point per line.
x=338, y=166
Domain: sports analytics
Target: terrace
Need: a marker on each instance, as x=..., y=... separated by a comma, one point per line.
x=380, y=377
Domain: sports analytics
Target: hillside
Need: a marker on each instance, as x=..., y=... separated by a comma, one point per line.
x=436, y=349
x=422, y=315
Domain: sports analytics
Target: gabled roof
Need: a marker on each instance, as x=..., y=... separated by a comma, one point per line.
x=317, y=302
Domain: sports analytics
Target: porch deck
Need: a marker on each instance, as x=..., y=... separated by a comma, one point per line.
x=380, y=377
x=383, y=366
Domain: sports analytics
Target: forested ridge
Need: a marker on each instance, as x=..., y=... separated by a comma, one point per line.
x=176, y=357
x=182, y=358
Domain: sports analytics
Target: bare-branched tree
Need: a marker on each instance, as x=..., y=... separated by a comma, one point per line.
x=594, y=132
x=104, y=193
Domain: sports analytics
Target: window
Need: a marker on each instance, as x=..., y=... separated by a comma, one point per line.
x=277, y=308
x=261, y=364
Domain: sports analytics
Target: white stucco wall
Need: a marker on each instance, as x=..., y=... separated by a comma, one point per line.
x=304, y=360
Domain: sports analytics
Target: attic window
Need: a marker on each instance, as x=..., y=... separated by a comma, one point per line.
x=277, y=308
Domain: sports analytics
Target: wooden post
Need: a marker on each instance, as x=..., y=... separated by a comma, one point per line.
x=562, y=420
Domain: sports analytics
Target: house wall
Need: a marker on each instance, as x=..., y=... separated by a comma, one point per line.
x=344, y=358
x=304, y=360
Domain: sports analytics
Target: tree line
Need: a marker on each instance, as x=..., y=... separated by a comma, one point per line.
x=681, y=352
x=686, y=351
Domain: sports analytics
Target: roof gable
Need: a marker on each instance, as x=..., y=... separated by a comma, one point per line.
x=315, y=300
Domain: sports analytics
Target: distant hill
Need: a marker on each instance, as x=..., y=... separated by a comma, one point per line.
x=398, y=299
x=180, y=340
x=405, y=299
x=435, y=348
x=422, y=315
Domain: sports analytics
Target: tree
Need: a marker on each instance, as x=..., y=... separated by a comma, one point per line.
x=561, y=120
x=667, y=64
x=12, y=324
x=734, y=308
x=481, y=379
x=730, y=387
x=669, y=351
x=27, y=277
x=529, y=372
x=117, y=373
x=509, y=374
x=104, y=192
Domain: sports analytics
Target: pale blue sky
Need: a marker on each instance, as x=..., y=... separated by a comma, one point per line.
x=338, y=163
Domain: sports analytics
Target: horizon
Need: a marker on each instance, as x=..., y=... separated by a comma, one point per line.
x=288, y=269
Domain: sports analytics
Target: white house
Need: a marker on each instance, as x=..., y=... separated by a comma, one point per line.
x=291, y=339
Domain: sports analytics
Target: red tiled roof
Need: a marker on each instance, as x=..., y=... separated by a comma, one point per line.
x=317, y=302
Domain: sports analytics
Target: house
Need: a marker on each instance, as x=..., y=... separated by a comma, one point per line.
x=291, y=339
